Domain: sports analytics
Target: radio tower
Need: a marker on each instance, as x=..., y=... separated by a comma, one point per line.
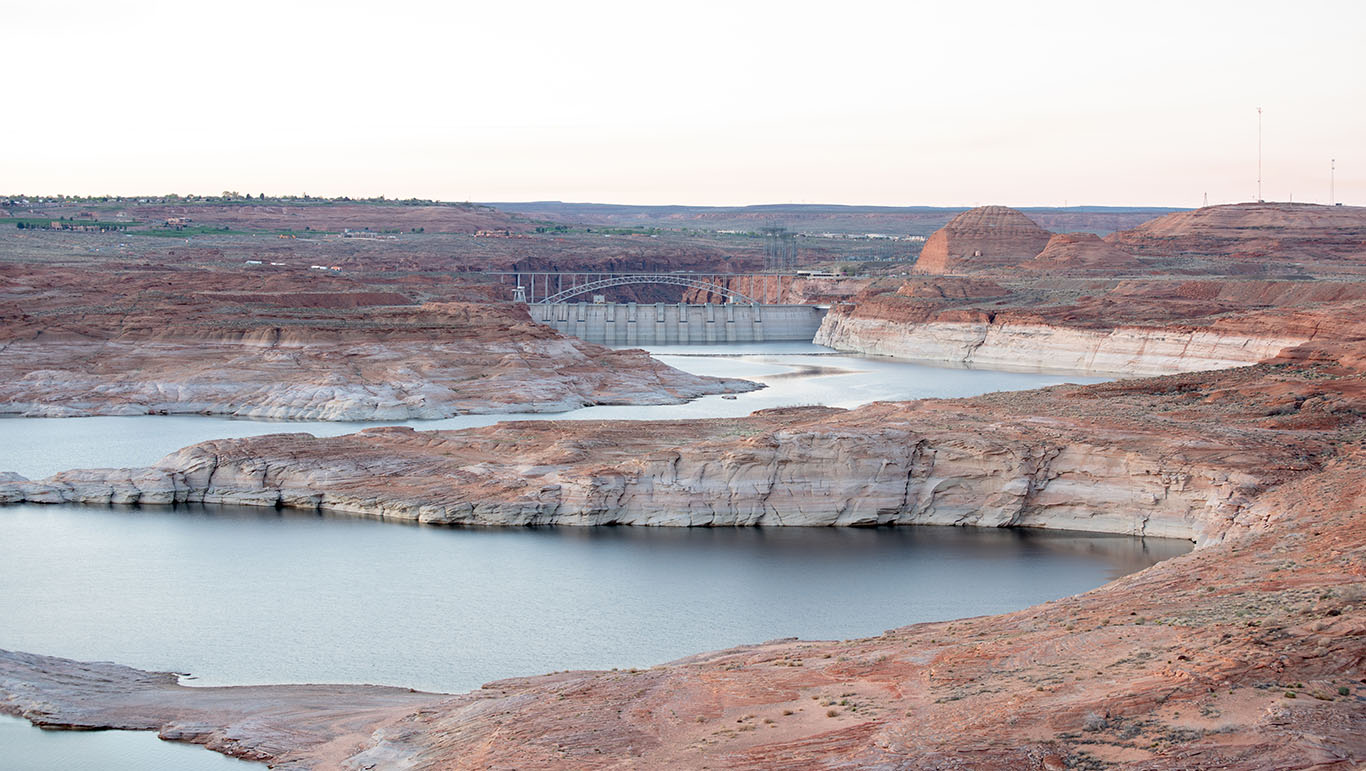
x=1259, y=155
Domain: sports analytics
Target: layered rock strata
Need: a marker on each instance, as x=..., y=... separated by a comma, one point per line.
x=1245, y=654
x=1005, y=344
x=329, y=357
x=984, y=238
x=1082, y=253
x=1256, y=236
x=1129, y=327
x=1030, y=460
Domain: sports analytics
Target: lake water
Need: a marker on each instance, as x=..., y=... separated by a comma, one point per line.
x=793, y=373
x=26, y=748
x=238, y=595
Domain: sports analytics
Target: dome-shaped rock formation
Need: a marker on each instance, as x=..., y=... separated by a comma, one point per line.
x=980, y=239
x=1082, y=252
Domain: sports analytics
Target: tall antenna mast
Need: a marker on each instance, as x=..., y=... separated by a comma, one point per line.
x=1332, y=180
x=1259, y=155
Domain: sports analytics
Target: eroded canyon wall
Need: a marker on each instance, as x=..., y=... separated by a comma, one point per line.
x=991, y=344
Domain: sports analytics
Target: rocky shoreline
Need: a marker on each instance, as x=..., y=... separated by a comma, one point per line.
x=1244, y=654
x=988, y=344
x=312, y=381
x=1180, y=456
x=345, y=359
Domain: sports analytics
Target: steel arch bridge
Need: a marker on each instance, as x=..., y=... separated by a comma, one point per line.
x=690, y=282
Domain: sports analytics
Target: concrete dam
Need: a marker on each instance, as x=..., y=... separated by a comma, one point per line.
x=680, y=323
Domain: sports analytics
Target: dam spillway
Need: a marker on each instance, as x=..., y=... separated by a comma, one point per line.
x=680, y=323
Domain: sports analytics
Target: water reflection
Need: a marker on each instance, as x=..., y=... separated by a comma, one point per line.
x=249, y=595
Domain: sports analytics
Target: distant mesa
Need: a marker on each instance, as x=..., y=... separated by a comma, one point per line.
x=1276, y=231
x=981, y=239
x=1081, y=252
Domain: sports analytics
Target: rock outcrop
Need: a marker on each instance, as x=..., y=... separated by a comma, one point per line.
x=991, y=343
x=981, y=239
x=156, y=345
x=1126, y=327
x=1256, y=237
x=986, y=461
x=1245, y=654
x=274, y=723
x=1082, y=253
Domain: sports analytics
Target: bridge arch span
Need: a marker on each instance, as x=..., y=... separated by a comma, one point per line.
x=673, y=279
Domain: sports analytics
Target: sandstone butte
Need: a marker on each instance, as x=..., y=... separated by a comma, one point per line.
x=204, y=341
x=981, y=239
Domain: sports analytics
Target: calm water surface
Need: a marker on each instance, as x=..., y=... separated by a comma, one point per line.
x=794, y=373
x=236, y=595
x=25, y=748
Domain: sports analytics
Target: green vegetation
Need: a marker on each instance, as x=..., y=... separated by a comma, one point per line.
x=45, y=223
x=551, y=227
x=190, y=230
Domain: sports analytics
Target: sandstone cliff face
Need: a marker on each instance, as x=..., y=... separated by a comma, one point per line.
x=214, y=342
x=980, y=239
x=1134, y=326
x=793, y=478
x=997, y=465
x=320, y=380
x=1006, y=344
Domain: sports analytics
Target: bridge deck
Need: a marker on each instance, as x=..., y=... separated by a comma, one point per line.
x=554, y=286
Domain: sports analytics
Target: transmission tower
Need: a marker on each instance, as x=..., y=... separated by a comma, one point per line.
x=780, y=249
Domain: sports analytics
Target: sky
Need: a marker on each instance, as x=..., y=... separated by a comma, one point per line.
x=703, y=103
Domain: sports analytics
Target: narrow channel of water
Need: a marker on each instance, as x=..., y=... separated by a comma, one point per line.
x=793, y=373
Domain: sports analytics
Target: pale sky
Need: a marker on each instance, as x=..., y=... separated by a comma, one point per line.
x=726, y=103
